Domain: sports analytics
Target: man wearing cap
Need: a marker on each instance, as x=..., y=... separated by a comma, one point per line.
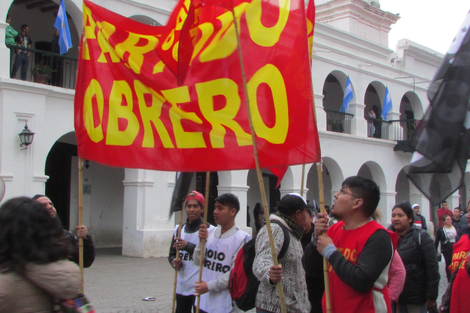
x=292, y=214
x=420, y=220
x=187, y=271
x=222, y=246
x=358, y=249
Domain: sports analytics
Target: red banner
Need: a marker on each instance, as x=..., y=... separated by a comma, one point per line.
x=129, y=111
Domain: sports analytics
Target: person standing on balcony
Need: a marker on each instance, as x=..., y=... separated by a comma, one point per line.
x=10, y=33
x=22, y=56
x=377, y=123
x=57, y=62
x=373, y=116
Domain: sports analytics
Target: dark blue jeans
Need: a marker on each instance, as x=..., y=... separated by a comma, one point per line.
x=22, y=60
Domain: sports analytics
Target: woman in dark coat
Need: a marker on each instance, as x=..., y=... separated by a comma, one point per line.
x=417, y=252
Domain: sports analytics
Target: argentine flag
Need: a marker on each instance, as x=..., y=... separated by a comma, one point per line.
x=348, y=95
x=62, y=25
x=387, y=104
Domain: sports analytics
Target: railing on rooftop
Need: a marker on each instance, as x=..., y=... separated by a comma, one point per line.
x=339, y=122
x=47, y=67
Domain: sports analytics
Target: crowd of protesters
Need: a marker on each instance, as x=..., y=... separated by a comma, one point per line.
x=371, y=268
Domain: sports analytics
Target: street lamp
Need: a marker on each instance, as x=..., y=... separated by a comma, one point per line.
x=26, y=137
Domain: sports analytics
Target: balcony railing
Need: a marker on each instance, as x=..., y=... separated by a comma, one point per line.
x=45, y=67
x=339, y=122
x=378, y=128
x=398, y=130
x=402, y=132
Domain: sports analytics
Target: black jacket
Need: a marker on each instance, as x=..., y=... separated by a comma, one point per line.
x=88, y=249
x=418, y=254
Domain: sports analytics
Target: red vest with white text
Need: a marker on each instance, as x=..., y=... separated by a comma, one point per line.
x=460, y=300
x=345, y=299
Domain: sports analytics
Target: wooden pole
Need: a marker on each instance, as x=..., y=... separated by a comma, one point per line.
x=203, y=243
x=325, y=262
x=80, y=220
x=177, y=258
x=258, y=168
x=302, y=187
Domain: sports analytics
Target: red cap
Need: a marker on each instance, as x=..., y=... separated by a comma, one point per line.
x=196, y=196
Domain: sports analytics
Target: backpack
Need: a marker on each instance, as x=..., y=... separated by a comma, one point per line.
x=243, y=283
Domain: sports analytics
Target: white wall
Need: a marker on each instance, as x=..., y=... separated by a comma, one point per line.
x=102, y=206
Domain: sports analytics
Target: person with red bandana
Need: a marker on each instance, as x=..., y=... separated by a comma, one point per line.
x=358, y=249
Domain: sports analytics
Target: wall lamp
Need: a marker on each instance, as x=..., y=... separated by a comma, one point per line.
x=26, y=137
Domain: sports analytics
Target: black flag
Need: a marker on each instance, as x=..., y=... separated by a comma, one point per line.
x=182, y=184
x=442, y=140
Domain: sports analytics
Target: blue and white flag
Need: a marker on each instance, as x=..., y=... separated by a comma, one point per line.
x=387, y=104
x=62, y=25
x=348, y=95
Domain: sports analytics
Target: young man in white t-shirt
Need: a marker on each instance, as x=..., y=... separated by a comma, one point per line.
x=222, y=246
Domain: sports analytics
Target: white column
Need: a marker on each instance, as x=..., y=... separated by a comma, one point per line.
x=320, y=112
x=295, y=185
x=4, y=53
x=395, y=131
x=235, y=182
x=454, y=200
x=147, y=229
x=387, y=201
x=358, y=123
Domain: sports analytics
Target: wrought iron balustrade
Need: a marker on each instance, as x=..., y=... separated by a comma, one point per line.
x=46, y=67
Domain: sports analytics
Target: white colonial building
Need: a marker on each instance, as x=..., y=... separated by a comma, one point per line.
x=129, y=207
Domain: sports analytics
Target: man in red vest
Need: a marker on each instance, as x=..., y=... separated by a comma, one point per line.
x=359, y=250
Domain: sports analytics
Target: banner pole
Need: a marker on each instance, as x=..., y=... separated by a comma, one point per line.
x=80, y=220
x=325, y=262
x=177, y=258
x=302, y=187
x=258, y=168
x=203, y=243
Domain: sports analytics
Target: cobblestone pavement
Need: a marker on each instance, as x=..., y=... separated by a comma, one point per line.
x=117, y=284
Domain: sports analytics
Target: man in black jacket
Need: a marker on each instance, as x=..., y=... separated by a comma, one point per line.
x=82, y=232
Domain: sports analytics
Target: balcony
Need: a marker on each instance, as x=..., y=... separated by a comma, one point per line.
x=339, y=122
x=46, y=67
x=403, y=131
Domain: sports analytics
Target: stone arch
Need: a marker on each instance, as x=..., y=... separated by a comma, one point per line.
x=332, y=178
x=333, y=90
x=411, y=110
x=374, y=171
x=374, y=96
x=102, y=214
x=402, y=188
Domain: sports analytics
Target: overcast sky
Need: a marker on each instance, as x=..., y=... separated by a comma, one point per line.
x=432, y=23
